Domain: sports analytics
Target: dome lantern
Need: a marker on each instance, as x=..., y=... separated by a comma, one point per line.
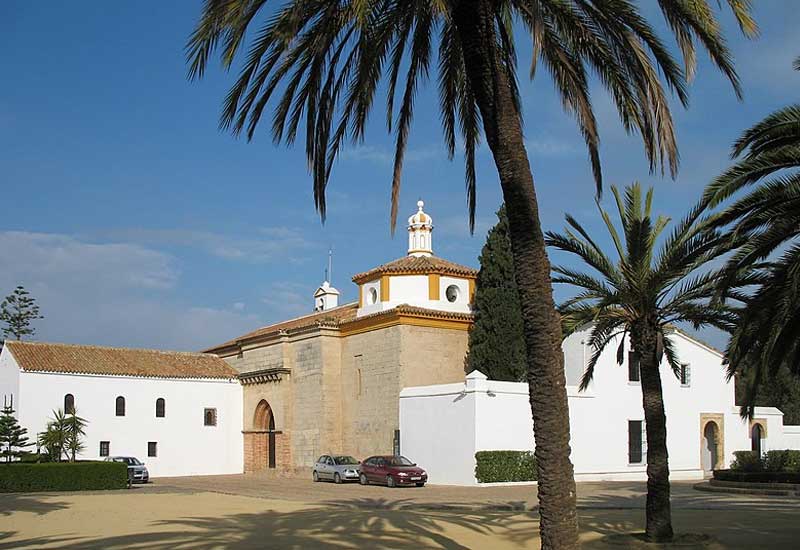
x=420, y=229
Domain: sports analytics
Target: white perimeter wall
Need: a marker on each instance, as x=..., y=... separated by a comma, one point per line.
x=443, y=426
x=185, y=445
x=9, y=378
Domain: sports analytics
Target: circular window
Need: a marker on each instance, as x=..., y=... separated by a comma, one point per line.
x=373, y=295
x=451, y=293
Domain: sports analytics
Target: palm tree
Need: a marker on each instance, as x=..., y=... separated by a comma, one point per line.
x=765, y=225
x=648, y=289
x=324, y=62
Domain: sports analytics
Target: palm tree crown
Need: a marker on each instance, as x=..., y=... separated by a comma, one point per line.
x=764, y=226
x=326, y=60
x=649, y=284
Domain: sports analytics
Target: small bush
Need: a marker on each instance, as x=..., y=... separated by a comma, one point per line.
x=62, y=476
x=782, y=461
x=747, y=461
x=757, y=477
x=499, y=466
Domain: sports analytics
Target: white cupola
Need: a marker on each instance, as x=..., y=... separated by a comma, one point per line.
x=420, y=228
x=326, y=297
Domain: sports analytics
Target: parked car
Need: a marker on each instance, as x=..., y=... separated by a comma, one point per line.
x=392, y=471
x=136, y=468
x=338, y=468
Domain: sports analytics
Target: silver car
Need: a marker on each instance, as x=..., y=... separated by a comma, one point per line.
x=338, y=468
x=137, y=471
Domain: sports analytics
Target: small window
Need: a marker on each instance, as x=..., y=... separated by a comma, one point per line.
x=152, y=448
x=451, y=293
x=686, y=375
x=120, y=408
x=160, y=407
x=69, y=404
x=210, y=417
x=105, y=447
x=373, y=295
x=634, y=375
x=637, y=442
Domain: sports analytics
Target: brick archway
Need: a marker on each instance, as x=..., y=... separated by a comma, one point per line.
x=712, y=439
x=262, y=441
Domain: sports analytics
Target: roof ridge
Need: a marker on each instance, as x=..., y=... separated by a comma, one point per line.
x=115, y=348
x=349, y=304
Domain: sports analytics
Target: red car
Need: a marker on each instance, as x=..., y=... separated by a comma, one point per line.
x=392, y=471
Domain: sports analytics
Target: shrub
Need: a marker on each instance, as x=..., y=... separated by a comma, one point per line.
x=62, y=476
x=747, y=461
x=497, y=466
x=782, y=461
x=758, y=477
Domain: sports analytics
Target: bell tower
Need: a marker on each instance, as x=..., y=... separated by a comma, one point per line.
x=420, y=229
x=326, y=297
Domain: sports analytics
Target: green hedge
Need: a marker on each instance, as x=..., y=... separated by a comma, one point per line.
x=499, y=466
x=772, y=461
x=62, y=476
x=757, y=477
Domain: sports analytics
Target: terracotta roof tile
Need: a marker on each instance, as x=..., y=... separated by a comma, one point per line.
x=417, y=264
x=327, y=317
x=45, y=357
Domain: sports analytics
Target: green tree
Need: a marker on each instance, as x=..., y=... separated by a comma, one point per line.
x=63, y=436
x=17, y=311
x=496, y=341
x=642, y=294
x=13, y=438
x=325, y=61
x=764, y=224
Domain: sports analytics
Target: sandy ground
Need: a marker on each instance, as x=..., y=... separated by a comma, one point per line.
x=205, y=520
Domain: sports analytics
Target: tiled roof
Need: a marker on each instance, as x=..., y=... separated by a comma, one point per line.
x=44, y=357
x=417, y=264
x=405, y=309
x=327, y=317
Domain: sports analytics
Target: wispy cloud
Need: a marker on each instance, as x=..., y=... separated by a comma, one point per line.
x=267, y=243
x=547, y=146
x=381, y=155
x=111, y=294
x=287, y=299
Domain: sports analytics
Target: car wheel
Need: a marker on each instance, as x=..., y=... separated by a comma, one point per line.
x=362, y=479
x=420, y=485
x=337, y=478
x=390, y=482
x=315, y=476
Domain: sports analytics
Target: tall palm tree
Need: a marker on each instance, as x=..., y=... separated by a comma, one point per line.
x=323, y=62
x=653, y=284
x=764, y=224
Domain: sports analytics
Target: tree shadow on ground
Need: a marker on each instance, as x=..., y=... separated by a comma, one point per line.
x=28, y=502
x=331, y=525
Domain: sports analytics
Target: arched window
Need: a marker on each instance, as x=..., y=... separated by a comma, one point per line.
x=160, y=407
x=120, y=406
x=69, y=404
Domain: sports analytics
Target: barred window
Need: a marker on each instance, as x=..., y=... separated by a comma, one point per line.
x=160, y=407
x=120, y=406
x=210, y=417
x=633, y=367
x=105, y=447
x=637, y=442
x=69, y=404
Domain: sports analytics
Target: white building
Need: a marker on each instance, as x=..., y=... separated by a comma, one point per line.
x=180, y=413
x=442, y=426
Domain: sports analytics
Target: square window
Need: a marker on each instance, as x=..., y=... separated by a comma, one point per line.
x=637, y=442
x=209, y=417
x=105, y=447
x=152, y=448
x=634, y=374
x=686, y=375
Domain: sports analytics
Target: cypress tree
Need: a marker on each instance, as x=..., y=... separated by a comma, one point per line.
x=12, y=437
x=496, y=344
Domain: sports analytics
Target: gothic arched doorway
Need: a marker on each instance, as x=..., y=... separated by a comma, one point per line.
x=710, y=447
x=756, y=435
x=264, y=420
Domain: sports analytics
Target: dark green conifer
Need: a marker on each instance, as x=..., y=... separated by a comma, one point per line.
x=496, y=344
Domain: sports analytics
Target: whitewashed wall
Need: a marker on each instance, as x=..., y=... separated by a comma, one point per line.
x=413, y=290
x=9, y=378
x=791, y=437
x=185, y=445
x=434, y=416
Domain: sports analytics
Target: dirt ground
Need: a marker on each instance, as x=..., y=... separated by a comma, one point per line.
x=166, y=515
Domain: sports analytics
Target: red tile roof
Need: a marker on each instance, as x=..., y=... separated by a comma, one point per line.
x=69, y=358
x=417, y=265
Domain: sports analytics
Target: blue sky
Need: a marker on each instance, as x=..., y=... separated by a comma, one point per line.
x=134, y=221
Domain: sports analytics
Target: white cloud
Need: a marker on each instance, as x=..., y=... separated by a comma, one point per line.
x=267, y=244
x=110, y=294
x=381, y=155
x=547, y=146
x=287, y=299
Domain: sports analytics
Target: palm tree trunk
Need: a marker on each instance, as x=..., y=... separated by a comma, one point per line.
x=542, y=329
x=658, y=509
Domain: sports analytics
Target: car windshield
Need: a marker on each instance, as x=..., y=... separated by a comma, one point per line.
x=344, y=460
x=131, y=461
x=399, y=461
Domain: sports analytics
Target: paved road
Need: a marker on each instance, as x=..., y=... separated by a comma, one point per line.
x=600, y=495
